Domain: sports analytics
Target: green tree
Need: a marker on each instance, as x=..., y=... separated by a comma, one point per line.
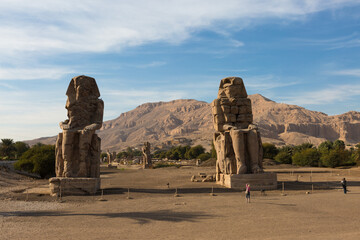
x=194, y=152
x=20, y=148
x=39, y=160
x=270, y=150
x=174, y=155
x=7, y=148
x=103, y=155
x=335, y=157
x=306, y=157
x=326, y=146
x=339, y=144
x=204, y=156
x=213, y=151
x=122, y=155
x=159, y=154
x=137, y=152
x=355, y=156
x=302, y=147
x=283, y=157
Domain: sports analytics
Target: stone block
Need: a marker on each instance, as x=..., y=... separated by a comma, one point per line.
x=226, y=109
x=230, y=118
x=245, y=118
x=219, y=119
x=260, y=181
x=73, y=186
x=234, y=110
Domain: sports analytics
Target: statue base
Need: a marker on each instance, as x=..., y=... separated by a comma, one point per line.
x=258, y=181
x=73, y=186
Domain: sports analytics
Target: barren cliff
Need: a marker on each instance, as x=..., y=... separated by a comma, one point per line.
x=190, y=122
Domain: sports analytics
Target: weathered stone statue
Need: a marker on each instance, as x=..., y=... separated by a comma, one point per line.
x=78, y=147
x=237, y=140
x=110, y=156
x=146, y=161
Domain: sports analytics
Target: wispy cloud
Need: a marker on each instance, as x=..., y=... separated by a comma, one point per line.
x=33, y=73
x=347, y=72
x=350, y=41
x=44, y=27
x=236, y=43
x=267, y=82
x=331, y=94
x=149, y=65
x=28, y=114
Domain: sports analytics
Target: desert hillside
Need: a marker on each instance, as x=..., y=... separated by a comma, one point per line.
x=188, y=121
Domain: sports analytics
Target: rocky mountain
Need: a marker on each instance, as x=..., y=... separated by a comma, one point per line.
x=189, y=121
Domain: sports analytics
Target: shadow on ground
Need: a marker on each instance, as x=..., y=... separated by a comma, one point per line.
x=109, y=191
x=140, y=217
x=330, y=185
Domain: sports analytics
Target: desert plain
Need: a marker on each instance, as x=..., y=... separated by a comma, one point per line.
x=140, y=204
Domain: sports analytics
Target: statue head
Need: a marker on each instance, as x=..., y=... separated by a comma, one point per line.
x=82, y=88
x=232, y=87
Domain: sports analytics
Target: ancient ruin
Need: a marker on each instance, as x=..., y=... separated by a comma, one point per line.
x=78, y=147
x=146, y=161
x=237, y=140
x=110, y=156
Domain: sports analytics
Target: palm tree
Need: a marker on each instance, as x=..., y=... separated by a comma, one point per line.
x=7, y=147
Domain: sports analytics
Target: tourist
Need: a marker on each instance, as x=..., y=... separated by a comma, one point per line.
x=343, y=183
x=247, y=192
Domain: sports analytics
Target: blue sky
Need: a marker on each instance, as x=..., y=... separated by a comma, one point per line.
x=298, y=52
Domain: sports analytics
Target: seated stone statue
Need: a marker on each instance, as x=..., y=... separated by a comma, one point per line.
x=237, y=141
x=146, y=161
x=78, y=147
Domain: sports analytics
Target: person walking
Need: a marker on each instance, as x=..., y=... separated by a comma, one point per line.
x=247, y=193
x=344, y=185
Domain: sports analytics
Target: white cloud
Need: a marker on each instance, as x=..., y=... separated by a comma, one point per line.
x=349, y=41
x=266, y=82
x=236, y=43
x=331, y=94
x=44, y=27
x=150, y=65
x=347, y=72
x=33, y=73
x=28, y=114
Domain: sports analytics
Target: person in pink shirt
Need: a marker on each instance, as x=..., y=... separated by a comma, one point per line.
x=247, y=193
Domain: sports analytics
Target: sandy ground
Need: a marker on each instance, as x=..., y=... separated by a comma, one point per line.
x=152, y=212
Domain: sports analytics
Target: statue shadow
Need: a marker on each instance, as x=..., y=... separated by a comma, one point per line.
x=277, y=204
x=327, y=185
x=112, y=191
x=140, y=217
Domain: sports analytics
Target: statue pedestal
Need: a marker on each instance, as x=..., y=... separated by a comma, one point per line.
x=73, y=186
x=259, y=181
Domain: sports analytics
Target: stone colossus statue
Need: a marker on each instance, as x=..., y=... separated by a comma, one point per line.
x=237, y=140
x=78, y=147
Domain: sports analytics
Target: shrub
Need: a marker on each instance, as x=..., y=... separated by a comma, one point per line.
x=283, y=157
x=306, y=157
x=326, y=146
x=40, y=159
x=163, y=165
x=270, y=150
x=336, y=157
x=194, y=152
x=213, y=151
x=339, y=144
x=302, y=147
x=204, y=156
x=20, y=148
